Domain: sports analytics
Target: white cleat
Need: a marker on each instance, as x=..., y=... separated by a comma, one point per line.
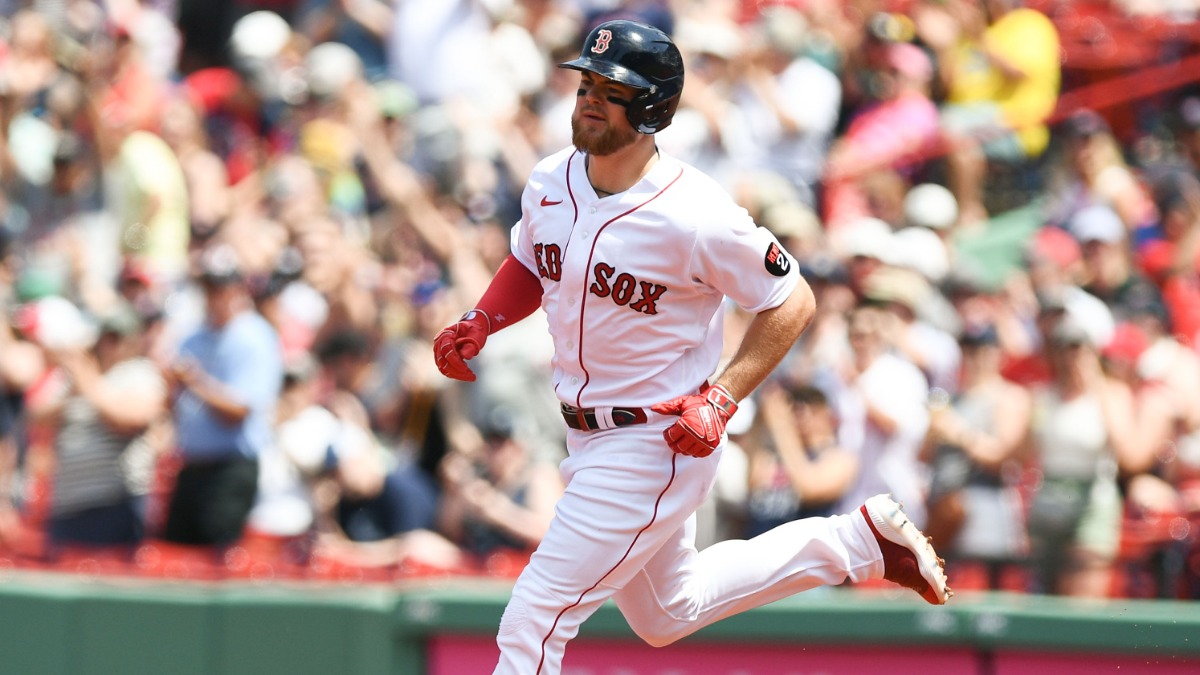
x=908, y=555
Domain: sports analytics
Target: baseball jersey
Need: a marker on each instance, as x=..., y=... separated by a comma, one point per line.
x=634, y=283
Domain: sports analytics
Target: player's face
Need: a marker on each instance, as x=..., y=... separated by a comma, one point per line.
x=598, y=125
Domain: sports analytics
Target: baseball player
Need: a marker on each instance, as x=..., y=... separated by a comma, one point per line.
x=632, y=254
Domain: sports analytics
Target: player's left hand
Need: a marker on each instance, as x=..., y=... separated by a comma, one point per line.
x=702, y=419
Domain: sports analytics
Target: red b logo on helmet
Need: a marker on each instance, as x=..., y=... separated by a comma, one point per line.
x=602, y=39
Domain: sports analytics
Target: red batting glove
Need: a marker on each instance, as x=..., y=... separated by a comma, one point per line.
x=702, y=419
x=457, y=344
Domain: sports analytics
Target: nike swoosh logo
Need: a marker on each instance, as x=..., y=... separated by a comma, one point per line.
x=546, y=202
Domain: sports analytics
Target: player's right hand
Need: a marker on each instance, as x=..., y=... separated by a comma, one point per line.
x=459, y=343
x=702, y=419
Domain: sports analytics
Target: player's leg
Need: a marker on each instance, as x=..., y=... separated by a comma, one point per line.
x=626, y=495
x=680, y=591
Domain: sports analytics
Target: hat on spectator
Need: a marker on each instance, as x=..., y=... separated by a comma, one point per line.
x=1156, y=258
x=1069, y=333
x=930, y=205
x=979, y=336
x=121, y=319
x=219, y=266
x=791, y=219
x=713, y=38
x=1097, y=223
x=866, y=237
x=499, y=424
x=891, y=27
x=897, y=285
x=785, y=28
x=962, y=282
x=1054, y=245
x=921, y=249
x=1189, y=113
x=824, y=268
x=1083, y=123
x=259, y=35
x=1174, y=189
x=1128, y=344
x=1051, y=300
x=395, y=99
x=55, y=323
x=330, y=66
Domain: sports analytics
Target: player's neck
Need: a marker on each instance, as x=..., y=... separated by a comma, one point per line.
x=622, y=170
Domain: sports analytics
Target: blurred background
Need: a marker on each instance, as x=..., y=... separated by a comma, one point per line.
x=229, y=230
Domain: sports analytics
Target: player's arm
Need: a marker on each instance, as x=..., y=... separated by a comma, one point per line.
x=513, y=295
x=772, y=332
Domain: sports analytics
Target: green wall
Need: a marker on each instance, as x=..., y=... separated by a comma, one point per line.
x=64, y=625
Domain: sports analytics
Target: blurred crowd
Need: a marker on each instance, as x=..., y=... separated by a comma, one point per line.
x=229, y=230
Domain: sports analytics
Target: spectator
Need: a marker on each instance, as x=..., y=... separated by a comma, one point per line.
x=801, y=471
x=907, y=297
x=883, y=415
x=974, y=450
x=107, y=397
x=1170, y=259
x=893, y=134
x=502, y=501
x=785, y=104
x=307, y=444
x=1108, y=271
x=380, y=497
x=1092, y=172
x=228, y=376
x=1085, y=421
x=1000, y=70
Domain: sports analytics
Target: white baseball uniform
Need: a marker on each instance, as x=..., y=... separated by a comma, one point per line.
x=633, y=285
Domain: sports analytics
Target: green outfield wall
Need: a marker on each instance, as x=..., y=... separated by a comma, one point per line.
x=68, y=625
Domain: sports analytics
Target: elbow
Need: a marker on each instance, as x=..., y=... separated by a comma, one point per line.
x=803, y=306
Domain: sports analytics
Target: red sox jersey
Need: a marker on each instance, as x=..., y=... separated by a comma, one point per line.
x=634, y=283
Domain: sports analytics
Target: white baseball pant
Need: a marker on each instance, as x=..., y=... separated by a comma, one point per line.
x=625, y=528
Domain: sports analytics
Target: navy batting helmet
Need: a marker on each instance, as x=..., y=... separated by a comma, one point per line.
x=642, y=57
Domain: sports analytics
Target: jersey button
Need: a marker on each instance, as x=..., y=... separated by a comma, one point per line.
x=585, y=234
x=592, y=209
x=574, y=380
x=570, y=344
x=571, y=302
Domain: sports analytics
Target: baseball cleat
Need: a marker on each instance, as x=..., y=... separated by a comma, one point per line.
x=908, y=556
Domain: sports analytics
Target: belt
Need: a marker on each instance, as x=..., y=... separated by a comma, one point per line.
x=594, y=419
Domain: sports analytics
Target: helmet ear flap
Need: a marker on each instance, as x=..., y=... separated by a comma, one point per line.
x=648, y=114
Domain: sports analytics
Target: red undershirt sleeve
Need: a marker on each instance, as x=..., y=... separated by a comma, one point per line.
x=513, y=295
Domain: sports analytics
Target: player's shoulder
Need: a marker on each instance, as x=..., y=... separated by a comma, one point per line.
x=704, y=199
x=555, y=162
x=697, y=186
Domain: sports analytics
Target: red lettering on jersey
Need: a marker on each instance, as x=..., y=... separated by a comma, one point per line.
x=602, y=39
x=602, y=273
x=549, y=261
x=650, y=294
x=623, y=287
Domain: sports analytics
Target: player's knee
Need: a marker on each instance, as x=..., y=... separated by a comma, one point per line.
x=658, y=641
x=515, y=617
x=659, y=633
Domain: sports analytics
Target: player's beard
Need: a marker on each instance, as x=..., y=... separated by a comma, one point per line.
x=600, y=142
